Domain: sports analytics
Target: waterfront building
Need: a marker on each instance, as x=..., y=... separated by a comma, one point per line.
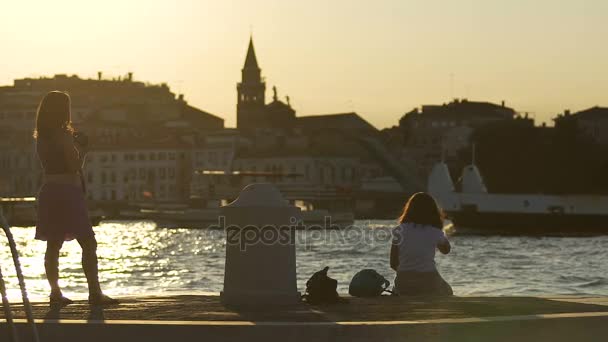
x=20, y=171
x=121, y=117
x=324, y=159
x=215, y=151
x=131, y=171
x=591, y=122
x=256, y=117
x=436, y=132
x=119, y=100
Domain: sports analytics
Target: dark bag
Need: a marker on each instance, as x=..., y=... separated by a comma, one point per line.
x=321, y=289
x=368, y=283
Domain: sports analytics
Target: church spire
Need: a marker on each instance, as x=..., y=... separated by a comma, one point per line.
x=250, y=61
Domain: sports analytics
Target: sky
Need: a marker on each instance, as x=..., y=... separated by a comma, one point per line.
x=379, y=58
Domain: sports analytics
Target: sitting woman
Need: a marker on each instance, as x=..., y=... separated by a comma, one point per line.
x=413, y=248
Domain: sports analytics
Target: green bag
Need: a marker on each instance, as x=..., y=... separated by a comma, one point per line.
x=368, y=283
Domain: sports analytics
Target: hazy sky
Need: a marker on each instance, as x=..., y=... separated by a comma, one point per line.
x=380, y=58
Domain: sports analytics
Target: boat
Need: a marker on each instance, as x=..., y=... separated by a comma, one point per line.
x=474, y=210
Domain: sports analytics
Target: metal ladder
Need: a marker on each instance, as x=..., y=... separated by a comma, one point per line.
x=5, y=303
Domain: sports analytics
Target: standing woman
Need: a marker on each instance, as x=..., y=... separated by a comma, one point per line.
x=413, y=247
x=62, y=209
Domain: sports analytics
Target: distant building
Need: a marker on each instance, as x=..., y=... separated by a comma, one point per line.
x=20, y=171
x=592, y=123
x=120, y=100
x=123, y=118
x=441, y=131
x=345, y=123
x=315, y=177
x=252, y=111
x=158, y=171
x=288, y=141
x=254, y=115
x=215, y=151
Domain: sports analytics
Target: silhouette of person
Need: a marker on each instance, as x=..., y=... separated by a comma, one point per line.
x=62, y=208
x=413, y=247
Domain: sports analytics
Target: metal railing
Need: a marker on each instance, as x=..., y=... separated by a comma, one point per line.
x=5, y=303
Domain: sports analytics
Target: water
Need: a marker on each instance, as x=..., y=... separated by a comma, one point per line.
x=137, y=258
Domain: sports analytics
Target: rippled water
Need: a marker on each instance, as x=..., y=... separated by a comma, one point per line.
x=137, y=258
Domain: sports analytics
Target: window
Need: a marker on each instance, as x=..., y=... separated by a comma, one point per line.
x=103, y=178
x=163, y=173
x=152, y=156
x=142, y=173
x=171, y=173
x=113, y=177
x=171, y=155
x=113, y=157
x=162, y=155
x=141, y=156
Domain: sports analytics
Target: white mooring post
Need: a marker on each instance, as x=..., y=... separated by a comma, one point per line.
x=260, y=248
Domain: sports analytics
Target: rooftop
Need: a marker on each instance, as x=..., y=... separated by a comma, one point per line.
x=464, y=109
x=345, y=122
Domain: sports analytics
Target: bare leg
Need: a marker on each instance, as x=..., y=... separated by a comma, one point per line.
x=89, y=264
x=51, y=265
x=91, y=271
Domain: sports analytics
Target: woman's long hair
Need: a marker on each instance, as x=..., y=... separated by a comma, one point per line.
x=53, y=114
x=422, y=209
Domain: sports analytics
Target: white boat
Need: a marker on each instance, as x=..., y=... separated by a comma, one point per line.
x=474, y=209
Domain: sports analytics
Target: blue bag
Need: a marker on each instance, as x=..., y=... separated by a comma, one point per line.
x=368, y=283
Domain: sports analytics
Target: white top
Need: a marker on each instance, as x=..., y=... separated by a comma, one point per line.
x=417, y=244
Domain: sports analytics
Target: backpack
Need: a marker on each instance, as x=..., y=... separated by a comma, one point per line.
x=368, y=283
x=321, y=289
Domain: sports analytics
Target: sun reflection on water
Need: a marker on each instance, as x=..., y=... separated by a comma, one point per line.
x=138, y=258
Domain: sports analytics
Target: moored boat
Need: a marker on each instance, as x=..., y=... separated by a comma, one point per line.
x=474, y=209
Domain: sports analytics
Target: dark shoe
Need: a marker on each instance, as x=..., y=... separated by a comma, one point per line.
x=59, y=300
x=102, y=299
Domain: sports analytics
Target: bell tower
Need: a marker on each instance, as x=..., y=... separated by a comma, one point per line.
x=251, y=93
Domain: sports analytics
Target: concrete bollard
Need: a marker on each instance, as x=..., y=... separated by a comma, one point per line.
x=260, y=248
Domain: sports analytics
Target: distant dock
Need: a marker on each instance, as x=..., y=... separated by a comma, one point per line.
x=197, y=317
